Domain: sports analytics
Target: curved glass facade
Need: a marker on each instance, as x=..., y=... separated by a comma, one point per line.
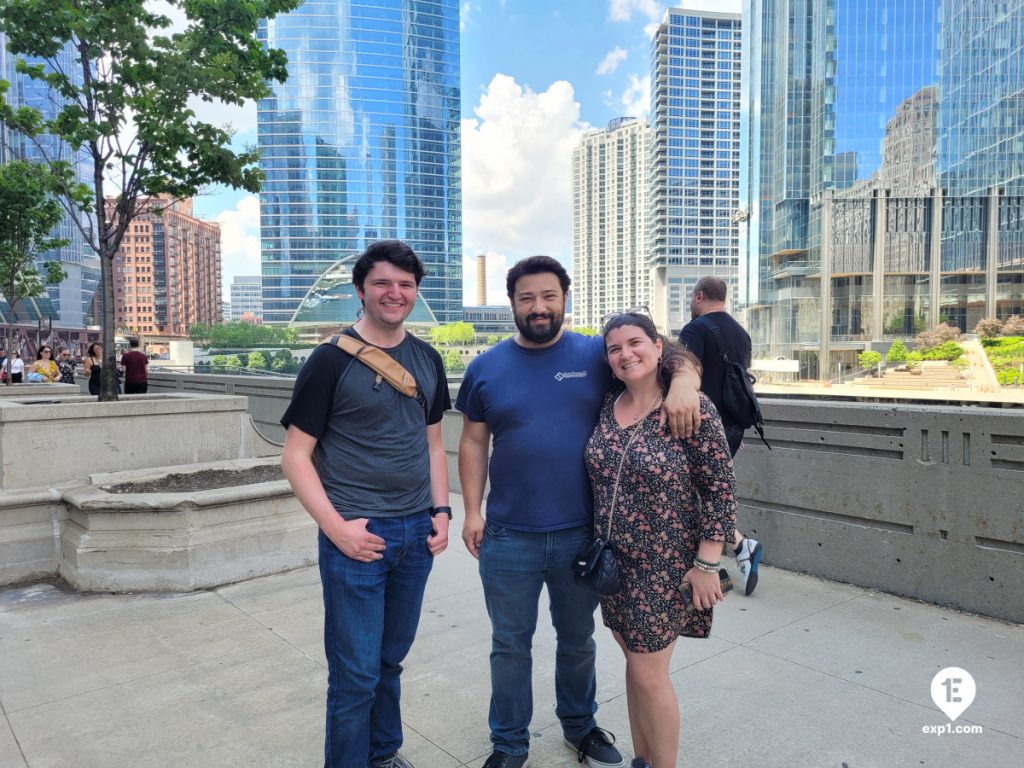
x=886, y=177
x=361, y=144
x=332, y=301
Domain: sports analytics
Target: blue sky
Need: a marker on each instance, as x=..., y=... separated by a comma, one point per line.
x=536, y=75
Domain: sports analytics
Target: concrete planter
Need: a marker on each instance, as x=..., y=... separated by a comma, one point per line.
x=52, y=439
x=178, y=542
x=47, y=442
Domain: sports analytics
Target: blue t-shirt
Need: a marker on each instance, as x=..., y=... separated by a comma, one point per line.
x=541, y=406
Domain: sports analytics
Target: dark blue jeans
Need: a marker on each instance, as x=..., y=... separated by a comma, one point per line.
x=371, y=611
x=514, y=566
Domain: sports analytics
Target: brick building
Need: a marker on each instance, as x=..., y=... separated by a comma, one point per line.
x=167, y=271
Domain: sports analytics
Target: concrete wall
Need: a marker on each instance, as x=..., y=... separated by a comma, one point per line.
x=268, y=396
x=920, y=501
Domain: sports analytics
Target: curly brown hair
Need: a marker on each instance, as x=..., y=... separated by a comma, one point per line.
x=674, y=356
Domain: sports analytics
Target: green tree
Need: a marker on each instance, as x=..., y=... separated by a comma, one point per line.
x=258, y=361
x=869, y=359
x=492, y=340
x=28, y=214
x=125, y=102
x=233, y=363
x=452, y=333
x=897, y=352
x=218, y=362
x=453, y=361
x=463, y=332
x=199, y=333
x=586, y=330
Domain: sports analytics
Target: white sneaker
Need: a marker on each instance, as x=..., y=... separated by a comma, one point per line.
x=747, y=560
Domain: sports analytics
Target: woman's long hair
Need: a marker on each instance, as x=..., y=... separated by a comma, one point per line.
x=91, y=351
x=674, y=356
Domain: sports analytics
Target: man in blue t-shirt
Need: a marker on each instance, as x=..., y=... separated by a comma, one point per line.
x=538, y=395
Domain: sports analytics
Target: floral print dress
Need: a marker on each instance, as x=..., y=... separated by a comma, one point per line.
x=672, y=495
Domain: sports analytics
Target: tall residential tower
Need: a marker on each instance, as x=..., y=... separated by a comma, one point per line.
x=609, y=202
x=360, y=144
x=695, y=158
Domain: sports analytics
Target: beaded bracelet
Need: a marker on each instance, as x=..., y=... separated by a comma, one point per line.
x=705, y=566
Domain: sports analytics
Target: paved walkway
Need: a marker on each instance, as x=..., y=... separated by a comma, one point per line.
x=805, y=673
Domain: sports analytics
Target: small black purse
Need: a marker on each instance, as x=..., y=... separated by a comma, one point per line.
x=596, y=568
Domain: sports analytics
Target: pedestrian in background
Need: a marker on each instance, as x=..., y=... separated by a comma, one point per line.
x=66, y=366
x=134, y=363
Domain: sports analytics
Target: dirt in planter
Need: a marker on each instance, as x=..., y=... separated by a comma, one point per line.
x=204, y=480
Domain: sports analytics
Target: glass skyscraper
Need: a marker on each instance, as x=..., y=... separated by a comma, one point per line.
x=360, y=144
x=885, y=143
x=694, y=192
x=69, y=303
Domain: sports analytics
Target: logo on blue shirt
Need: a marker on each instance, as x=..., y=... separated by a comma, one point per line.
x=570, y=375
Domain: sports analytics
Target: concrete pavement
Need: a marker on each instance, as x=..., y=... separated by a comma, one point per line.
x=805, y=673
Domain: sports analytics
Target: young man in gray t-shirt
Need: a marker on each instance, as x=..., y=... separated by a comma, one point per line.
x=368, y=464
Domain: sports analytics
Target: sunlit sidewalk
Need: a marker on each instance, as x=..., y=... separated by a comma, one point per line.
x=803, y=673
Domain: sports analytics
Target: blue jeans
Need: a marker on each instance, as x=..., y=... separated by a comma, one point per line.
x=371, y=611
x=514, y=565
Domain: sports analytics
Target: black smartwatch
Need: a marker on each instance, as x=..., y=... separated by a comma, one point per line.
x=441, y=511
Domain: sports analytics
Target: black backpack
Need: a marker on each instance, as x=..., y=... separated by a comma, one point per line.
x=738, y=399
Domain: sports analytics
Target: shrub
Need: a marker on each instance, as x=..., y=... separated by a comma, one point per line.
x=1008, y=378
x=1014, y=326
x=914, y=356
x=869, y=358
x=453, y=361
x=897, y=352
x=940, y=334
x=948, y=350
x=989, y=328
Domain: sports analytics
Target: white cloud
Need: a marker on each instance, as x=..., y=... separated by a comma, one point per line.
x=239, y=241
x=654, y=12
x=636, y=99
x=623, y=10
x=464, y=13
x=611, y=62
x=241, y=119
x=516, y=161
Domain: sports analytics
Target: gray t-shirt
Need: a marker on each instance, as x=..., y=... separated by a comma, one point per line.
x=371, y=452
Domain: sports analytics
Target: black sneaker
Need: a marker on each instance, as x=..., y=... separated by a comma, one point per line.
x=391, y=761
x=596, y=749
x=505, y=760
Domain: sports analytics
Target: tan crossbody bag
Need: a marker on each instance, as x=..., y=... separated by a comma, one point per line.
x=381, y=363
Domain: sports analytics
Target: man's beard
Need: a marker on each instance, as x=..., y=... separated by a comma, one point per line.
x=539, y=337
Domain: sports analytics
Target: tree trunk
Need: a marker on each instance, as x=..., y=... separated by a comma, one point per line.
x=108, y=371
x=7, y=349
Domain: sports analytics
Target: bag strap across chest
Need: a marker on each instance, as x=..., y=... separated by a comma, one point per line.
x=379, y=361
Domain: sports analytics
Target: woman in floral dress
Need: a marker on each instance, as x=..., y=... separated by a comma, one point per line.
x=673, y=509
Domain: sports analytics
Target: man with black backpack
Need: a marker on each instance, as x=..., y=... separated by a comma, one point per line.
x=724, y=350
